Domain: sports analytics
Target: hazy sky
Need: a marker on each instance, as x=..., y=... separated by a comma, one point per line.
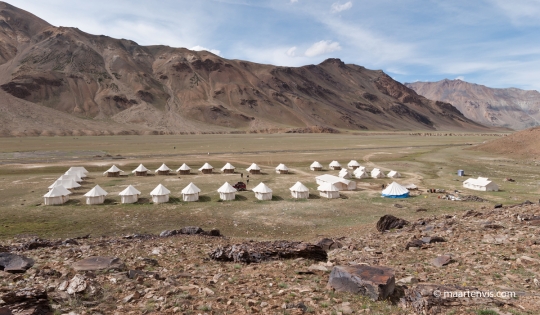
x=490, y=42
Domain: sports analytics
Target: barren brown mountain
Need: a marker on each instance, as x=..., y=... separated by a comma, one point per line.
x=511, y=107
x=98, y=84
x=522, y=144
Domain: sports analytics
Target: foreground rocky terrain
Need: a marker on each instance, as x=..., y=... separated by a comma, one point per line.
x=189, y=271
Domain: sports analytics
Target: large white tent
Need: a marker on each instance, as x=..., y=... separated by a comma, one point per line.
x=163, y=170
x=299, y=191
x=227, y=192
x=191, y=193
x=316, y=166
x=228, y=168
x=393, y=174
x=66, y=183
x=344, y=173
x=360, y=173
x=262, y=192
x=480, y=183
x=129, y=195
x=74, y=176
x=206, y=169
x=184, y=169
x=328, y=190
x=334, y=165
x=160, y=194
x=56, y=196
x=114, y=171
x=377, y=173
x=78, y=173
x=395, y=190
x=140, y=170
x=282, y=169
x=353, y=164
x=340, y=183
x=254, y=169
x=95, y=196
x=79, y=169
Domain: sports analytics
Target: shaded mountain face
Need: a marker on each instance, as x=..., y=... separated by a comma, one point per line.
x=176, y=90
x=512, y=108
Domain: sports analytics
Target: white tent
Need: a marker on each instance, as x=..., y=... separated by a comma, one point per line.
x=163, y=170
x=160, y=194
x=344, y=173
x=282, y=169
x=129, y=195
x=80, y=174
x=262, y=192
x=95, y=196
x=328, y=190
x=411, y=187
x=140, y=170
x=227, y=192
x=353, y=164
x=393, y=174
x=299, y=191
x=113, y=171
x=360, y=173
x=340, y=183
x=228, y=168
x=184, y=169
x=206, y=169
x=377, y=173
x=66, y=183
x=480, y=183
x=254, y=169
x=316, y=166
x=73, y=176
x=334, y=165
x=79, y=169
x=191, y=193
x=395, y=190
x=56, y=196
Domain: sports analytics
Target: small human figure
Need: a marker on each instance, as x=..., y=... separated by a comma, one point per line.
x=241, y=175
x=247, y=182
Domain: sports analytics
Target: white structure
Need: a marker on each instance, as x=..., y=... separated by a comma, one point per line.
x=393, y=174
x=56, y=196
x=395, y=190
x=66, y=183
x=328, y=190
x=206, y=169
x=95, y=196
x=160, y=194
x=360, y=173
x=140, y=171
x=282, y=169
x=228, y=168
x=163, y=170
x=344, y=173
x=78, y=169
x=299, y=191
x=184, y=169
x=316, y=166
x=191, y=193
x=74, y=176
x=262, y=192
x=129, y=195
x=353, y=164
x=254, y=169
x=227, y=192
x=340, y=183
x=113, y=172
x=334, y=165
x=480, y=183
x=377, y=173
x=79, y=174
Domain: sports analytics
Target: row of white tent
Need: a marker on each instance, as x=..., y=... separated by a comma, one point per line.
x=141, y=170
x=361, y=172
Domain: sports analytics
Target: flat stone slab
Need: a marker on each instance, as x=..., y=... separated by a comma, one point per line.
x=441, y=260
x=375, y=282
x=15, y=263
x=96, y=263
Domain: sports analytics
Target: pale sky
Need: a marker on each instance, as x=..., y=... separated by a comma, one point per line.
x=490, y=42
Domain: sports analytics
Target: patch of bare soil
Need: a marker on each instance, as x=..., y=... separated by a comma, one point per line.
x=522, y=144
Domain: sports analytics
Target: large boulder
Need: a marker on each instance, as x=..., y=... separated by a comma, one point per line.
x=389, y=222
x=15, y=263
x=375, y=282
x=31, y=301
x=99, y=263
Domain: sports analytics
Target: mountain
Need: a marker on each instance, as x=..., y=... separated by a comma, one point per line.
x=521, y=144
x=512, y=108
x=96, y=81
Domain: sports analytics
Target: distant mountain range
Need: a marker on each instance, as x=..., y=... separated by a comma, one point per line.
x=60, y=80
x=512, y=108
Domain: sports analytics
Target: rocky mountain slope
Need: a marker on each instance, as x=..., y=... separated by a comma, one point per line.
x=522, y=144
x=511, y=108
x=139, y=89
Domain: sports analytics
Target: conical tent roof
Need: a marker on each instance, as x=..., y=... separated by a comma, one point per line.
x=228, y=166
x=140, y=168
x=129, y=191
x=78, y=168
x=184, y=167
x=254, y=167
x=57, y=182
x=282, y=167
x=226, y=188
x=327, y=187
x=394, y=189
x=160, y=190
x=191, y=189
x=353, y=163
x=262, y=188
x=75, y=177
x=67, y=183
x=335, y=163
x=316, y=164
x=79, y=173
x=113, y=169
x=393, y=174
x=343, y=171
x=206, y=166
x=96, y=192
x=299, y=187
x=57, y=191
x=163, y=168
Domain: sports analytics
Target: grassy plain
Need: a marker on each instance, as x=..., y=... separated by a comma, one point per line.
x=29, y=165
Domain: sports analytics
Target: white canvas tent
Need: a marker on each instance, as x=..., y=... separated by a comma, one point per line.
x=56, y=196
x=481, y=184
x=328, y=190
x=206, y=169
x=282, y=169
x=80, y=174
x=254, y=169
x=340, y=183
x=393, y=174
x=334, y=165
x=129, y=195
x=360, y=173
x=316, y=166
x=299, y=191
x=228, y=168
x=95, y=196
x=160, y=194
x=163, y=170
x=262, y=192
x=344, y=173
x=75, y=177
x=79, y=169
x=113, y=172
x=66, y=183
x=395, y=190
x=191, y=193
x=140, y=170
x=227, y=192
x=353, y=164
x=184, y=169
x=377, y=173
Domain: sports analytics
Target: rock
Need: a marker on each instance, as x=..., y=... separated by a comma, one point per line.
x=28, y=301
x=300, y=306
x=424, y=240
x=15, y=263
x=388, y=222
x=76, y=285
x=526, y=261
x=495, y=239
x=212, y=232
x=317, y=268
x=441, y=260
x=498, y=206
x=493, y=226
x=96, y=263
x=407, y=280
x=5, y=311
x=414, y=243
x=168, y=233
x=254, y=252
x=344, y=308
x=375, y=282
x=329, y=244
x=191, y=230
x=472, y=213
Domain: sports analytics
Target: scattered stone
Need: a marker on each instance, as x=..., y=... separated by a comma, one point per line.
x=255, y=252
x=441, y=260
x=527, y=261
x=497, y=206
x=375, y=282
x=424, y=240
x=29, y=301
x=493, y=226
x=471, y=198
x=407, y=280
x=329, y=244
x=76, y=285
x=300, y=306
x=495, y=239
x=388, y=222
x=15, y=263
x=472, y=213
x=99, y=263
x=191, y=230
